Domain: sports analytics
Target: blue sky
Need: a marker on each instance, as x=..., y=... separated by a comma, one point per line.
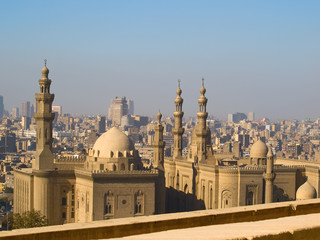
x=260, y=56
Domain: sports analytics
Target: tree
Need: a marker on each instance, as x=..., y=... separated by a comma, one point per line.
x=29, y=219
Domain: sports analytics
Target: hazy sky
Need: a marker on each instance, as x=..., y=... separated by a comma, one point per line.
x=260, y=56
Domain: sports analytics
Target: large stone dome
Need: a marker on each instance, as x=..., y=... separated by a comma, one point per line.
x=259, y=150
x=306, y=191
x=112, y=141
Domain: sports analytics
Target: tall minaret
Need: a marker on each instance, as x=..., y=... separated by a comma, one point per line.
x=202, y=131
x=158, y=145
x=178, y=130
x=44, y=118
x=158, y=163
x=269, y=177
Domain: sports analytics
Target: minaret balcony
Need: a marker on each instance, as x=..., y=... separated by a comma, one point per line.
x=44, y=115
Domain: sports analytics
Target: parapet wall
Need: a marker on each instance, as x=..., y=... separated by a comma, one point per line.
x=156, y=223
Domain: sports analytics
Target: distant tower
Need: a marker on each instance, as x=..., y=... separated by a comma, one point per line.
x=44, y=118
x=25, y=109
x=1, y=107
x=117, y=109
x=201, y=131
x=158, y=163
x=269, y=177
x=130, y=104
x=178, y=130
x=251, y=117
x=101, y=124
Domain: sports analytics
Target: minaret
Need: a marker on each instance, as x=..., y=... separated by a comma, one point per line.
x=158, y=163
x=44, y=118
x=178, y=130
x=158, y=145
x=269, y=177
x=202, y=131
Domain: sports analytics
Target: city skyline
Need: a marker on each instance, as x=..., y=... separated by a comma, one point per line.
x=254, y=56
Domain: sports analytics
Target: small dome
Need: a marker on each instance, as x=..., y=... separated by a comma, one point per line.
x=202, y=90
x=45, y=70
x=306, y=191
x=259, y=150
x=178, y=99
x=179, y=91
x=112, y=141
x=202, y=99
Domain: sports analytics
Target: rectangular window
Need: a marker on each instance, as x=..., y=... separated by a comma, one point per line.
x=63, y=215
x=72, y=214
x=64, y=201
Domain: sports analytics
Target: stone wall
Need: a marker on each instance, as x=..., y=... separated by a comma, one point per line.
x=156, y=223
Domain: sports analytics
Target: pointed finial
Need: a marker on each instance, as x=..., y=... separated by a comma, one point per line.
x=45, y=62
x=159, y=116
x=202, y=89
x=179, y=91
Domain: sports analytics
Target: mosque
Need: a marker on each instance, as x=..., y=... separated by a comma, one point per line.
x=110, y=181
x=199, y=181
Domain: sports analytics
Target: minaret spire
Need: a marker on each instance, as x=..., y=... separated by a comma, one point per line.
x=178, y=130
x=158, y=145
x=44, y=118
x=202, y=130
x=158, y=163
x=269, y=177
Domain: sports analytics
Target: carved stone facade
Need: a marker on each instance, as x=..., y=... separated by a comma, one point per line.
x=109, y=182
x=199, y=180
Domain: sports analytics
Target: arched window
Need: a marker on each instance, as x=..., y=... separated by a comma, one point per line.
x=250, y=198
x=210, y=197
x=203, y=192
x=139, y=203
x=108, y=203
x=122, y=168
x=178, y=179
x=226, y=199
x=186, y=189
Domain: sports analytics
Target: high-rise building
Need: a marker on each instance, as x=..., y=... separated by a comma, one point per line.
x=251, y=116
x=33, y=108
x=117, y=109
x=1, y=107
x=236, y=117
x=7, y=142
x=25, y=122
x=101, y=124
x=15, y=112
x=25, y=109
x=130, y=106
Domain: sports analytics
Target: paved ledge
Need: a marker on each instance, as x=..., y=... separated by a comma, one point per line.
x=150, y=224
x=287, y=228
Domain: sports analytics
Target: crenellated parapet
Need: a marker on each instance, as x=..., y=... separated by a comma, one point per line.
x=117, y=174
x=75, y=159
x=112, y=154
